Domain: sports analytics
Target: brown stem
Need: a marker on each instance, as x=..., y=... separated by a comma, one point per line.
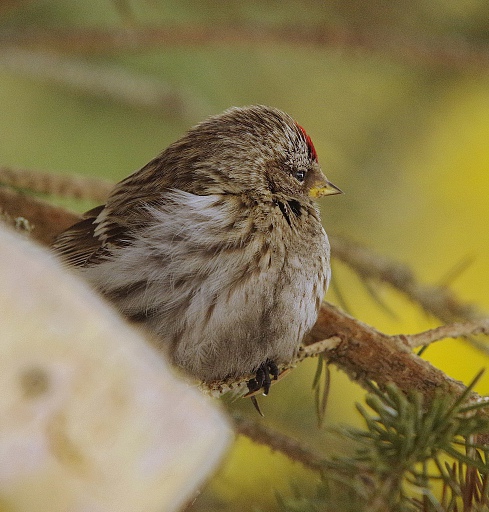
x=456, y=330
x=451, y=53
x=366, y=354
x=277, y=441
x=47, y=220
x=62, y=185
x=437, y=300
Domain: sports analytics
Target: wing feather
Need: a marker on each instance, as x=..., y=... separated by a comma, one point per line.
x=112, y=225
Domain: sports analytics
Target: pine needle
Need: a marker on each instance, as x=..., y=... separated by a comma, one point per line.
x=409, y=457
x=321, y=393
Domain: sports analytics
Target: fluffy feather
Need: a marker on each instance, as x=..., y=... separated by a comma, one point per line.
x=215, y=246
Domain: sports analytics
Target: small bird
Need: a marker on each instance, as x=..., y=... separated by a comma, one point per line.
x=216, y=246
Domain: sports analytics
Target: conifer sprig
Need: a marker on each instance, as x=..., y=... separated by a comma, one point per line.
x=410, y=457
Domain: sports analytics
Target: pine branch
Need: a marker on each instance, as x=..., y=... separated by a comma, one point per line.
x=366, y=355
x=396, y=460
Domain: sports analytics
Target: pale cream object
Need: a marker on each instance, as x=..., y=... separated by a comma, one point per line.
x=91, y=417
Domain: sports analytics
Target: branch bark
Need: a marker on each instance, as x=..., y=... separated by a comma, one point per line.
x=47, y=220
x=62, y=185
x=366, y=354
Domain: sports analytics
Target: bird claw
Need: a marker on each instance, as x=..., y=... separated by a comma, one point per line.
x=262, y=377
x=254, y=401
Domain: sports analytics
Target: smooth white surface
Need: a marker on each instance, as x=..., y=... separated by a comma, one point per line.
x=91, y=417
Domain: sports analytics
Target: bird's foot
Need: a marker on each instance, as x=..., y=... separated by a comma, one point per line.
x=262, y=377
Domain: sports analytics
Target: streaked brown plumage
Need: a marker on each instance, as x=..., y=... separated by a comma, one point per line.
x=216, y=245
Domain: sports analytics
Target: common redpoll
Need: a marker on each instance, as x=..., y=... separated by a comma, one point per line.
x=216, y=246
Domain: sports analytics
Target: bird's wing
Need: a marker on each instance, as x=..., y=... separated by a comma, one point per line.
x=112, y=225
x=78, y=244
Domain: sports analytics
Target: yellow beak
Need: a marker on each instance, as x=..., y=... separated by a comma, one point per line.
x=324, y=189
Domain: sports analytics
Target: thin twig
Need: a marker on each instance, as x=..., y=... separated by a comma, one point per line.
x=450, y=52
x=456, y=330
x=290, y=447
x=437, y=300
x=318, y=347
x=107, y=81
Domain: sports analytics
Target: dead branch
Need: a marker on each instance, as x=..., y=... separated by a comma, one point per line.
x=437, y=300
x=107, y=81
x=366, y=355
x=450, y=53
x=277, y=441
x=62, y=185
x=456, y=330
x=47, y=220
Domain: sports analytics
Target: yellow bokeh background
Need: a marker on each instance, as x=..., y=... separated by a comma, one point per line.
x=407, y=141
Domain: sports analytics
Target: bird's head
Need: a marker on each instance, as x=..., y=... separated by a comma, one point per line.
x=255, y=149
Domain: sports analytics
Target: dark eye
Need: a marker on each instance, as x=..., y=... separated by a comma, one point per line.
x=300, y=175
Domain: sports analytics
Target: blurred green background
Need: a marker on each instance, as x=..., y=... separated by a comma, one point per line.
x=396, y=100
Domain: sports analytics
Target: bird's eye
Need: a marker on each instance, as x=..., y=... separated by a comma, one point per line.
x=300, y=175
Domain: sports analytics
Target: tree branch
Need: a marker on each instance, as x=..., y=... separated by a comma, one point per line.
x=104, y=80
x=456, y=330
x=47, y=220
x=277, y=441
x=437, y=300
x=450, y=53
x=366, y=354
x=62, y=185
